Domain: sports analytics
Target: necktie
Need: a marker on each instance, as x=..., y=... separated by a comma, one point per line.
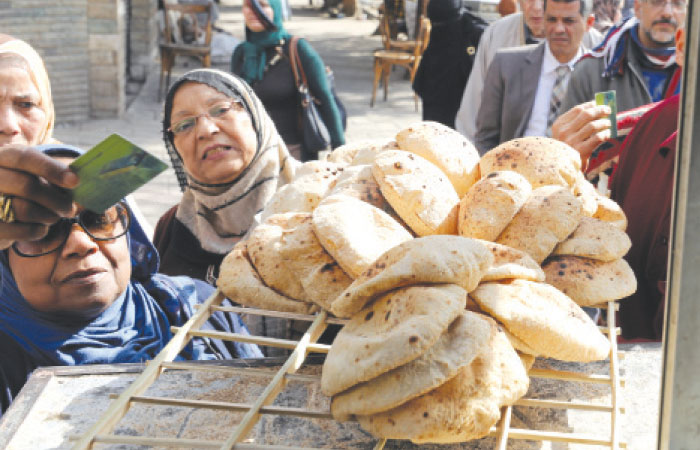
x=558, y=92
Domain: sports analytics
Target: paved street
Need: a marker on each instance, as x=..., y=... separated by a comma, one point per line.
x=345, y=44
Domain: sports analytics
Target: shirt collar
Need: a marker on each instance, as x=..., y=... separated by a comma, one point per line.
x=550, y=63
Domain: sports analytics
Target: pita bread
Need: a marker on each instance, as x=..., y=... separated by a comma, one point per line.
x=609, y=211
x=430, y=259
x=305, y=192
x=391, y=331
x=465, y=339
x=344, y=155
x=418, y=191
x=358, y=182
x=366, y=155
x=463, y=408
x=545, y=319
x=319, y=168
x=586, y=193
x=589, y=282
x=542, y=161
x=447, y=149
x=550, y=215
x=239, y=281
x=509, y=263
x=355, y=233
x=595, y=239
x=491, y=204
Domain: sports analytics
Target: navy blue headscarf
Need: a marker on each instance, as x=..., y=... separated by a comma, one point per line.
x=133, y=329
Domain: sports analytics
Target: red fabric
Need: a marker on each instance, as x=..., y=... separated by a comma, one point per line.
x=643, y=186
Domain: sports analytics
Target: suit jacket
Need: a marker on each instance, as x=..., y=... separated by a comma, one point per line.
x=508, y=95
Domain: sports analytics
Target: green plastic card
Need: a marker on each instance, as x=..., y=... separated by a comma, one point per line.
x=609, y=98
x=111, y=170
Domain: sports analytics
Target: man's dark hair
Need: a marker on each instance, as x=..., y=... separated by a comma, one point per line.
x=585, y=6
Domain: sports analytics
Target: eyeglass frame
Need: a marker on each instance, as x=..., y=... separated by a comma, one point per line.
x=230, y=107
x=663, y=3
x=77, y=220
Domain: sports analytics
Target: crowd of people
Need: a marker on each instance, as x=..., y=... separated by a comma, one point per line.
x=79, y=287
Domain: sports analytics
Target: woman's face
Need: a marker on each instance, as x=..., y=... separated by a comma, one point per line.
x=22, y=120
x=81, y=278
x=251, y=20
x=216, y=149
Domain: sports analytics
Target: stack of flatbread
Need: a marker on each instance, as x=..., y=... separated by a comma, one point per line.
x=454, y=272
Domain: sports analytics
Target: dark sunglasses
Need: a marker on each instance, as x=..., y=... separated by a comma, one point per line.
x=111, y=224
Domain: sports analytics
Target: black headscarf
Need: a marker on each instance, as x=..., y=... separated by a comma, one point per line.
x=447, y=62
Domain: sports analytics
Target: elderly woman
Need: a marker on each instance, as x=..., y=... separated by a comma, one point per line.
x=263, y=61
x=229, y=161
x=88, y=292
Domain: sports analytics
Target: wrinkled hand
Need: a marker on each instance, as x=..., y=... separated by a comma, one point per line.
x=37, y=184
x=584, y=127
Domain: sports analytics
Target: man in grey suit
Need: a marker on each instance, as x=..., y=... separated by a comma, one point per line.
x=525, y=85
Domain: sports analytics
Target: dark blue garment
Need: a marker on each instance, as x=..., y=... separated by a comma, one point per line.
x=133, y=329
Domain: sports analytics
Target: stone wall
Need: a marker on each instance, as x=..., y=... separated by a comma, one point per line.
x=83, y=43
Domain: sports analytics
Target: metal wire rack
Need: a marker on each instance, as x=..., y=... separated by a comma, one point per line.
x=102, y=431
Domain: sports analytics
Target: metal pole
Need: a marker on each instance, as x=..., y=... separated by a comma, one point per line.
x=679, y=422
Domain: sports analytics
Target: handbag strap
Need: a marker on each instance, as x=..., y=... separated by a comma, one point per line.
x=297, y=67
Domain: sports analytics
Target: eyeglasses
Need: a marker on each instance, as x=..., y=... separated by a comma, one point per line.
x=219, y=110
x=676, y=4
x=107, y=226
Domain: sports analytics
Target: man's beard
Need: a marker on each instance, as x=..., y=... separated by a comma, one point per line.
x=662, y=41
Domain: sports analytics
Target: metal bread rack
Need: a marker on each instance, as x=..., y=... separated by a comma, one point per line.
x=102, y=431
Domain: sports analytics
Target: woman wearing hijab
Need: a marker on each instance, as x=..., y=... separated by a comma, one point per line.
x=89, y=293
x=263, y=62
x=447, y=62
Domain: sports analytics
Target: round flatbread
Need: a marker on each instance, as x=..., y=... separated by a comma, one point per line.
x=550, y=215
x=542, y=161
x=491, y=204
x=239, y=281
x=355, y=233
x=446, y=148
x=366, y=155
x=418, y=191
x=465, y=407
x=545, y=319
x=358, y=182
x=589, y=282
x=586, y=193
x=391, y=331
x=463, y=340
x=609, y=211
x=509, y=263
x=345, y=154
x=306, y=191
x=595, y=239
x=427, y=260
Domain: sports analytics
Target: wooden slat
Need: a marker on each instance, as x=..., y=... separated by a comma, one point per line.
x=615, y=375
x=258, y=340
x=120, y=406
x=504, y=428
x=380, y=444
x=183, y=443
x=293, y=363
x=557, y=404
x=278, y=314
x=572, y=376
x=555, y=436
x=245, y=371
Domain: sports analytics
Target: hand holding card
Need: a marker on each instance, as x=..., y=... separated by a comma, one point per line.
x=609, y=98
x=110, y=171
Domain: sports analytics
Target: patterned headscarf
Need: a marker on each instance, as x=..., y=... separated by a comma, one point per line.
x=38, y=74
x=219, y=215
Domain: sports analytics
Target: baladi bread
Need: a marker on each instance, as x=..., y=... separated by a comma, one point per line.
x=463, y=408
x=609, y=211
x=595, y=239
x=542, y=161
x=543, y=318
x=318, y=168
x=239, y=281
x=345, y=154
x=465, y=339
x=427, y=260
x=391, y=331
x=418, y=191
x=491, y=204
x=586, y=193
x=509, y=263
x=299, y=259
x=355, y=233
x=366, y=155
x=589, y=282
x=305, y=192
x=550, y=215
x=358, y=182
x=446, y=148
